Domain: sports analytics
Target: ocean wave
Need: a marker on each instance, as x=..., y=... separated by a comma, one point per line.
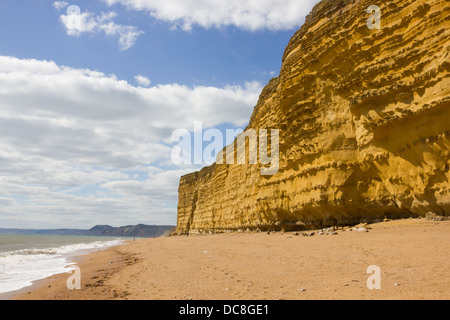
x=20, y=268
x=62, y=249
x=26, y=252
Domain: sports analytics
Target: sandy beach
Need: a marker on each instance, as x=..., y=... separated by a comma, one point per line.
x=413, y=256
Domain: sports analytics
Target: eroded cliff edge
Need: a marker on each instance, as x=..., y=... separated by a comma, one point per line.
x=364, y=119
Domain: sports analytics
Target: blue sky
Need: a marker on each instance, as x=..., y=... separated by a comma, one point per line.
x=32, y=29
x=87, y=112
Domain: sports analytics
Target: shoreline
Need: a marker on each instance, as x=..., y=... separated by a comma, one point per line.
x=74, y=258
x=413, y=256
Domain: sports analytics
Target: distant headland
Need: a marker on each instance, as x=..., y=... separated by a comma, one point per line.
x=140, y=231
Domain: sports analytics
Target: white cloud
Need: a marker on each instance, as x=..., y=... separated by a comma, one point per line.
x=81, y=144
x=142, y=81
x=86, y=22
x=247, y=15
x=59, y=5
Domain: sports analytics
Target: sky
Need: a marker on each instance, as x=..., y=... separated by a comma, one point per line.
x=92, y=91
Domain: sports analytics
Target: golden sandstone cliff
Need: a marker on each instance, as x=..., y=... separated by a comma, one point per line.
x=364, y=120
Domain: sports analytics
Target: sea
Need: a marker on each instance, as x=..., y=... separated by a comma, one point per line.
x=28, y=258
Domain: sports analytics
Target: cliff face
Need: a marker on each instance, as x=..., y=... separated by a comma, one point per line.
x=364, y=120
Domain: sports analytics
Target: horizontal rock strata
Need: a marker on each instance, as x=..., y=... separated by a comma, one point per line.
x=364, y=120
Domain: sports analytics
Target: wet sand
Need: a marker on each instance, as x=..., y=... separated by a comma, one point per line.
x=413, y=256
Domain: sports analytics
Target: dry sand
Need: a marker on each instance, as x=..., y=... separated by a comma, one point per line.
x=413, y=256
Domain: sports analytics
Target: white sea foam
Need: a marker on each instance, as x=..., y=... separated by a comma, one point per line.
x=20, y=268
